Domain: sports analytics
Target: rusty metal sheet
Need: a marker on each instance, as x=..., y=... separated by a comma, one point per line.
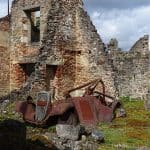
x=18, y=106
x=104, y=113
x=60, y=107
x=27, y=109
x=86, y=111
x=91, y=111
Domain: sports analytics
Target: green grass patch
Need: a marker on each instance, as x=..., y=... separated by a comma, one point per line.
x=130, y=132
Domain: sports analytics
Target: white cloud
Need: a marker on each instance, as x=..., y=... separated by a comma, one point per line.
x=127, y=25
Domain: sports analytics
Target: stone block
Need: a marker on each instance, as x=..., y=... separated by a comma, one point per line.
x=98, y=135
x=68, y=131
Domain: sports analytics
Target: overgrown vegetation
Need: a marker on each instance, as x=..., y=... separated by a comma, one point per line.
x=130, y=132
x=122, y=134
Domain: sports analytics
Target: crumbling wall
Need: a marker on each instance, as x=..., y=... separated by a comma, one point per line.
x=132, y=69
x=70, y=52
x=92, y=61
x=4, y=56
x=71, y=44
x=141, y=46
x=4, y=23
x=23, y=51
x=4, y=31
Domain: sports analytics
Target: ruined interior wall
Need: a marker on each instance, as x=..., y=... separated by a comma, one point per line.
x=73, y=44
x=4, y=56
x=4, y=70
x=58, y=47
x=92, y=63
x=4, y=36
x=4, y=31
x=4, y=24
x=22, y=50
x=132, y=69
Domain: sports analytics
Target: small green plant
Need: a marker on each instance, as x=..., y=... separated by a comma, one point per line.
x=52, y=129
x=125, y=98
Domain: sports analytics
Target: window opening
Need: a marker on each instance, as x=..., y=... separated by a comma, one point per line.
x=34, y=18
x=28, y=69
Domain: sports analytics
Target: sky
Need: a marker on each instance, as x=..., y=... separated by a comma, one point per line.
x=125, y=20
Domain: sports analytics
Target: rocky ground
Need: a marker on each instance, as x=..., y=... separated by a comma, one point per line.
x=130, y=133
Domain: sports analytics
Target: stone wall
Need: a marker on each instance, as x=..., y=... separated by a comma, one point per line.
x=4, y=23
x=23, y=50
x=132, y=68
x=69, y=53
x=4, y=56
x=4, y=31
x=71, y=45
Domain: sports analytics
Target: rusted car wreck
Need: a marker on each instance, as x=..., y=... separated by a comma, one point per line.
x=88, y=110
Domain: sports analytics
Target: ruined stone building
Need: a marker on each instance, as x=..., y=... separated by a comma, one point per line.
x=52, y=45
x=132, y=68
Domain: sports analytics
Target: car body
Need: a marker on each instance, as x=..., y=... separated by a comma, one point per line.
x=88, y=109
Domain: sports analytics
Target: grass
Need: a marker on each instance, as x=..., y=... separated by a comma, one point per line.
x=130, y=132
x=8, y=112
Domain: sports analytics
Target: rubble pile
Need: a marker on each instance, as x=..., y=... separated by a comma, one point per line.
x=68, y=137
